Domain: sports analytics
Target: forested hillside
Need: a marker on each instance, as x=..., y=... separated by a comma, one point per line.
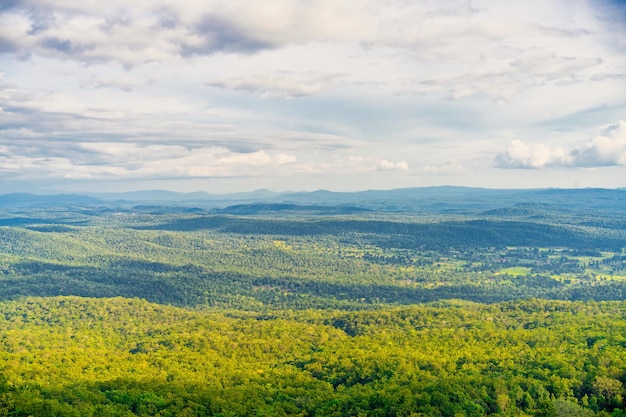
x=121, y=357
x=307, y=260
x=494, y=306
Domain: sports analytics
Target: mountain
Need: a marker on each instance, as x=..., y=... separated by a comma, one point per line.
x=434, y=200
x=261, y=208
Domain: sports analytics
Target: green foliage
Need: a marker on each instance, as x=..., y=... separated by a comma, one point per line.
x=311, y=314
x=345, y=262
x=71, y=356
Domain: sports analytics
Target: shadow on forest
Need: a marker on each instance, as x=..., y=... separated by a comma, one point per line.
x=481, y=233
x=190, y=285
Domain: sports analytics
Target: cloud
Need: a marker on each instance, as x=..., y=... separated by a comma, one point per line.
x=521, y=155
x=170, y=88
x=125, y=83
x=135, y=161
x=608, y=149
x=454, y=48
x=517, y=71
x=222, y=33
x=385, y=165
x=285, y=84
x=86, y=36
x=162, y=30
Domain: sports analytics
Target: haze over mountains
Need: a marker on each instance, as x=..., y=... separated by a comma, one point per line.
x=446, y=199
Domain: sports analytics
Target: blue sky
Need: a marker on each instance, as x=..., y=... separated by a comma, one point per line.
x=228, y=96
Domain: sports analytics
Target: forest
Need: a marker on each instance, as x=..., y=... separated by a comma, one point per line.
x=439, y=302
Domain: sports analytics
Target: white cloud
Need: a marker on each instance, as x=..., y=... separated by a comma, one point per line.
x=605, y=150
x=521, y=155
x=170, y=88
x=159, y=30
x=608, y=149
x=385, y=165
x=135, y=161
x=283, y=159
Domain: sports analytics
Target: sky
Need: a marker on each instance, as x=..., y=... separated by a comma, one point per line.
x=294, y=95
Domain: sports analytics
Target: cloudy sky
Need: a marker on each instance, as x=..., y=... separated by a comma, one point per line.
x=237, y=95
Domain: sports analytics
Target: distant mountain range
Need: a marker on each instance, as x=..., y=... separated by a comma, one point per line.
x=441, y=200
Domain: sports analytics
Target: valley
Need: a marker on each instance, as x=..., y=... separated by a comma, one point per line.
x=457, y=302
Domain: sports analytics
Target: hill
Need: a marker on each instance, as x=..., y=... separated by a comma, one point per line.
x=70, y=356
x=434, y=200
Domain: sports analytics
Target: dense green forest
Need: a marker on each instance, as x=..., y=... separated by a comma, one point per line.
x=346, y=262
x=123, y=357
x=451, y=303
